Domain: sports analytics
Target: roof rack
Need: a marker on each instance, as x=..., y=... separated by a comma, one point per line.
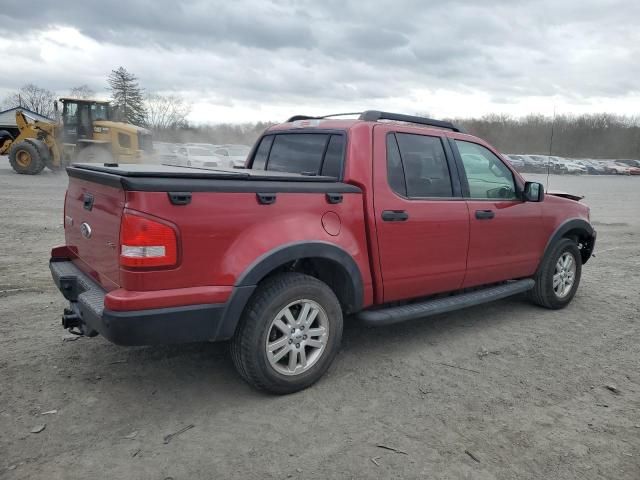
x=307, y=117
x=375, y=115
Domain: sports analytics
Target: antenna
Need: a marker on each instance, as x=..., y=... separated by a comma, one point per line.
x=553, y=124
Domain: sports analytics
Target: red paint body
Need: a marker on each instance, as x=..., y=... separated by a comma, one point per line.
x=442, y=247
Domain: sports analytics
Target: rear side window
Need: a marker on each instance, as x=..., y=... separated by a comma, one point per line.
x=308, y=153
x=420, y=163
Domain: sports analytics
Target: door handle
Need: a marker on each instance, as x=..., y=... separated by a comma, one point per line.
x=395, y=216
x=485, y=214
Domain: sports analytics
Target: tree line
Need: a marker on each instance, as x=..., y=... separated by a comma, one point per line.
x=597, y=135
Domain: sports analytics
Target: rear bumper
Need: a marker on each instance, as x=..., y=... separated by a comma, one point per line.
x=192, y=323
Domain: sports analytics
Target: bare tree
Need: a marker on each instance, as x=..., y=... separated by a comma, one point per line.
x=34, y=98
x=82, y=91
x=166, y=112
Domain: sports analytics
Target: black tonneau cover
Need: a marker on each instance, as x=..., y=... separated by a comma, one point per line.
x=169, y=178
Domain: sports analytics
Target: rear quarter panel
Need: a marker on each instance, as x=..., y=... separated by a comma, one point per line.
x=222, y=234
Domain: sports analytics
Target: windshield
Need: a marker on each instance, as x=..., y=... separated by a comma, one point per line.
x=100, y=111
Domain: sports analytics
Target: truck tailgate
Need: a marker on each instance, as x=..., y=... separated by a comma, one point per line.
x=92, y=227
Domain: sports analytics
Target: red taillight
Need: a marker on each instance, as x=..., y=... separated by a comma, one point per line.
x=146, y=243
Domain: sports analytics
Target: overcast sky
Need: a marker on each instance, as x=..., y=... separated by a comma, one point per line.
x=267, y=59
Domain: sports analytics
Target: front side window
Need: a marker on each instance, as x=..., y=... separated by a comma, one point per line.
x=417, y=166
x=486, y=175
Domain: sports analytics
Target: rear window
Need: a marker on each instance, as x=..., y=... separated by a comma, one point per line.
x=307, y=153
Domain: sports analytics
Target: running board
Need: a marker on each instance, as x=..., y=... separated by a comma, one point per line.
x=390, y=315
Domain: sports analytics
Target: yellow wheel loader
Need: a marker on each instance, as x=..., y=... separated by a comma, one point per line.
x=85, y=133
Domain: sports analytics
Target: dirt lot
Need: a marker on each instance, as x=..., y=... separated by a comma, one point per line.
x=520, y=388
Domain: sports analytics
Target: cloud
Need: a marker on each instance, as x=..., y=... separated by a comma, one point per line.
x=232, y=58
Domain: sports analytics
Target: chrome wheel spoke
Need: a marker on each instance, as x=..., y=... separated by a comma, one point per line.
x=313, y=343
x=303, y=357
x=290, y=318
x=556, y=280
x=311, y=318
x=316, y=332
x=302, y=317
x=278, y=356
x=280, y=325
x=281, y=342
x=293, y=360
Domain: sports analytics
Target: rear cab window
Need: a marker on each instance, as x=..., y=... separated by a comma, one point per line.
x=308, y=153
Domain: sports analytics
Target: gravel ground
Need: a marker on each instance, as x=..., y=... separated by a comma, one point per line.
x=503, y=391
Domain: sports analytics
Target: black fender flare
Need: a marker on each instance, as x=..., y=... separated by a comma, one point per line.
x=572, y=224
x=268, y=262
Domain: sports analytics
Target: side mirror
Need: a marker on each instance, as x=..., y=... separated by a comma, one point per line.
x=533, y=192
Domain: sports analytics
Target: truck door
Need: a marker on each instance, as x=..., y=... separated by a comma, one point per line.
x=422, y=221
x=505, y=232
x=70, y=122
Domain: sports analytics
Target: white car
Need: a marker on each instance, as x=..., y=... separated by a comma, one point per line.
x=618, y=169
x=201, y=156
x=575, y=168
x=236, y=153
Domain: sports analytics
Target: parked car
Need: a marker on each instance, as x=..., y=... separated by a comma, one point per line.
x=631, y=170
x=542, y=162
x=631, y=163
x=272, y=257
x=516, y=161
x=593, y=167
x=237, y=154
x=201, y=156
x=574, y=168
x=165, y=153
x=616, y=168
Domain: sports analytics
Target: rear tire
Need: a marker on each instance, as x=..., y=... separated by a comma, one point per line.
x=25, y=158
x=558, y=277
x=277, y=346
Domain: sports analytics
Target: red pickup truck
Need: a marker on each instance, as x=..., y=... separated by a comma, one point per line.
x=383, y=218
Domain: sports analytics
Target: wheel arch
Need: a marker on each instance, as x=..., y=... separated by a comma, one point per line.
x=578, y=229
x=323, y=260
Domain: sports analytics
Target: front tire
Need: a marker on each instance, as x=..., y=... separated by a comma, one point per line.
x=558, y=277
x=288, y=335
x=25, y=158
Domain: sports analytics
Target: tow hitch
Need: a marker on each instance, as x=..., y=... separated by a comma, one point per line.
x=71, y=321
